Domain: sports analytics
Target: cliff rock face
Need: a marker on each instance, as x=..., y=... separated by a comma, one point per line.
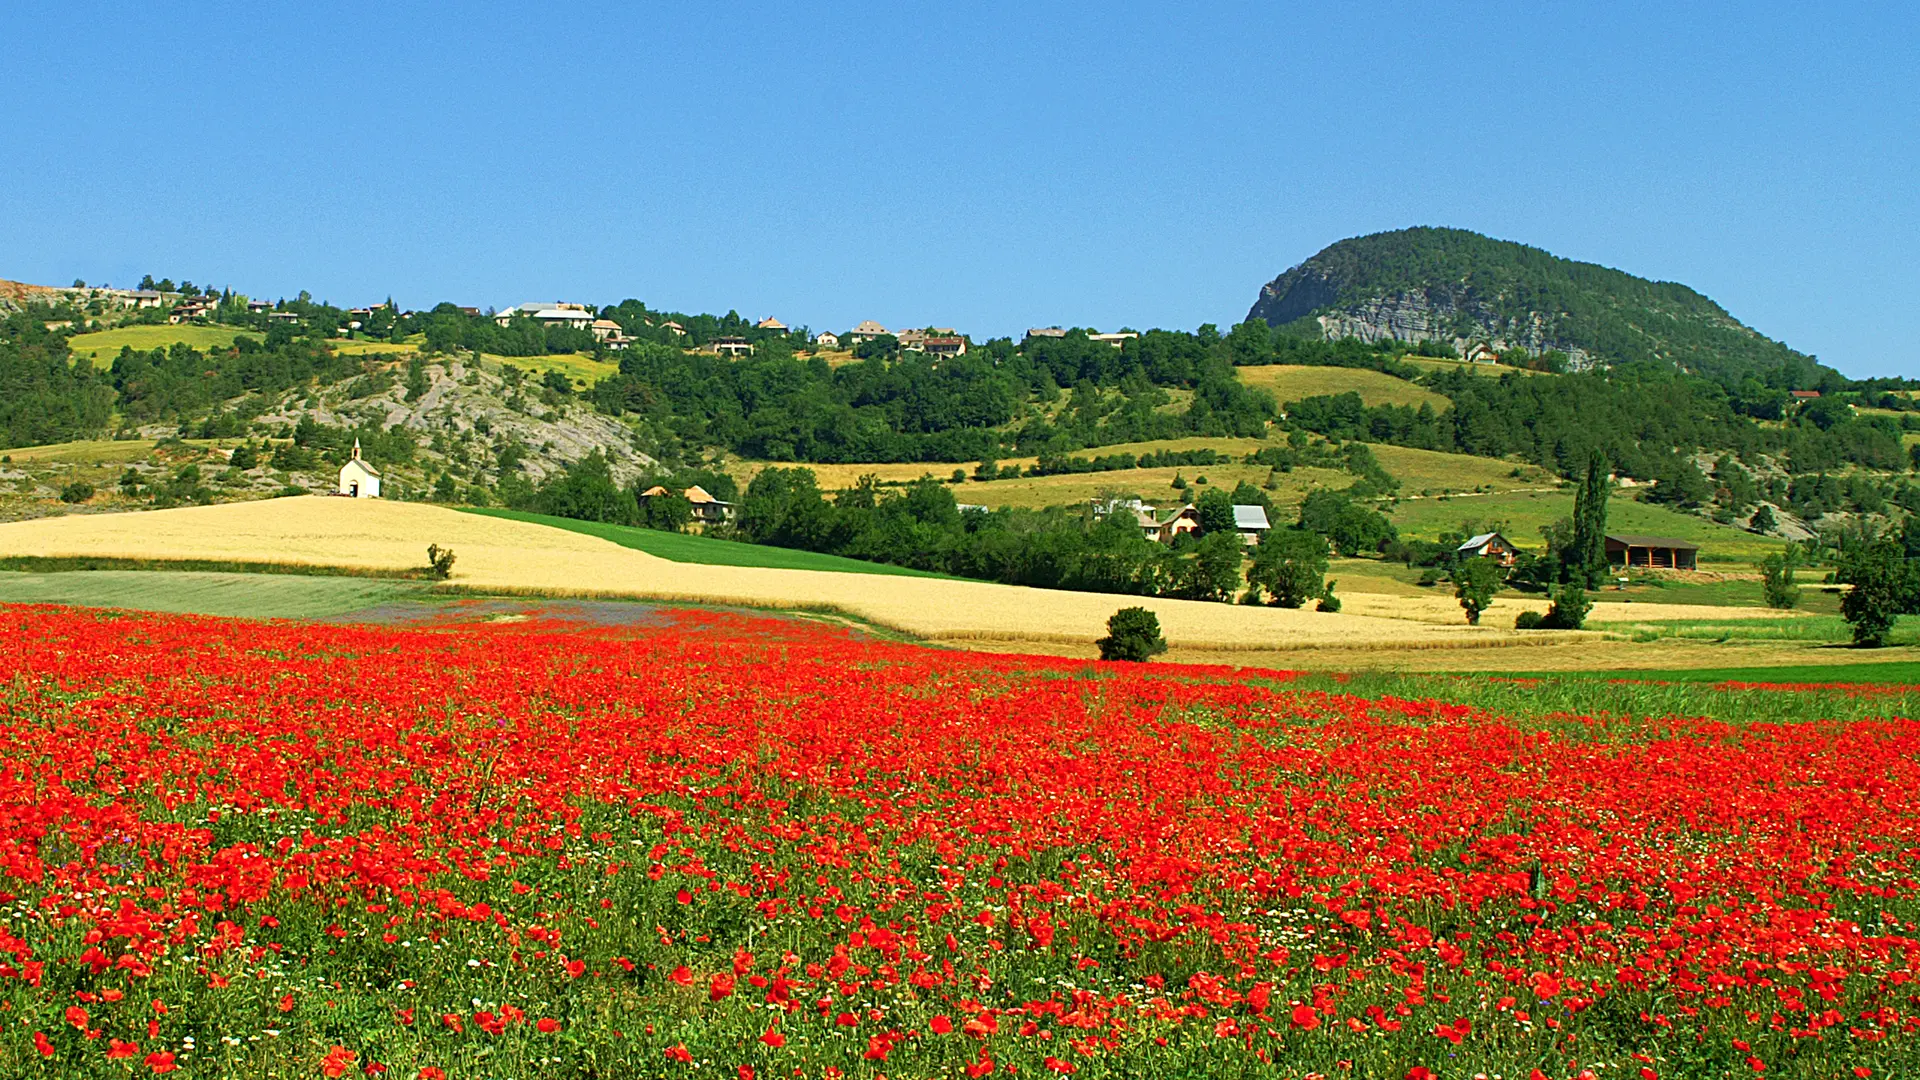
x=1464, y=289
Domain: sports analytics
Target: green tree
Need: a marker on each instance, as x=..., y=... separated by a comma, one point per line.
x=1132, y=634
x=1474, y=583
x=1215, y=511
x=1568, y=610
x=1585, y=561
x=1212, y=572
x=1776, y=573
x=1884, y=588
x=1763, y=520
x=1290, y=567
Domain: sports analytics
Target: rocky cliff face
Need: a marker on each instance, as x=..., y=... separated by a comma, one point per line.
x=1424, y=314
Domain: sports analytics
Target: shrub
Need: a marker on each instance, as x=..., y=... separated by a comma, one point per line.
x=1776, y=573
x=77, y=492
x=1132, y=634
x=440, y=561
x=1530, y=620
x=1569, y=609
x=1328, y=601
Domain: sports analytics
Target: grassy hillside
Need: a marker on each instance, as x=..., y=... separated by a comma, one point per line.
x=106, y=344
x=252, y=596
x=681, y=547
x=1292, y=382
x=1524, y=513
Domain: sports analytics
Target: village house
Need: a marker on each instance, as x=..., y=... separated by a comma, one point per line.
x=1482, y=353
x=1652, y=552
x=139, y=298
x=609, y=333
x=1116, y=340
x=771, y=323
x=1251, y=521
x=573, y=316
x=358, y=480
x=255, y=307
x=1488, y=546
x=730, y=346
x=1046, y=332
x=706, y=509
x=674, y=328
x=827, y=340
x=188, y=310
x=865, y=332
x=1803, y=395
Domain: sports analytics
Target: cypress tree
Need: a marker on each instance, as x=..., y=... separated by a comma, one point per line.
x=1587, y=562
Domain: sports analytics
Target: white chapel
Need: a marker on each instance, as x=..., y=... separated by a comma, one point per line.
x=359, y=480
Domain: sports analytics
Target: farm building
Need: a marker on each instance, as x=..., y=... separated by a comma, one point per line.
x=1656, y=552
x=359, y=480
x=706, y=508
x=1489, y=546
x=865, y=332
x=1252, y=523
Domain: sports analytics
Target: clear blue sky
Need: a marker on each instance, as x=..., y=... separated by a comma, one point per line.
x=989, y=166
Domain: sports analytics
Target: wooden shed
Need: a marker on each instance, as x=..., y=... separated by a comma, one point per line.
x=1656, y=552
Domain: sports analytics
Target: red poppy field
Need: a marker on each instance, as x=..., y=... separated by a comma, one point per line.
x=724, y=846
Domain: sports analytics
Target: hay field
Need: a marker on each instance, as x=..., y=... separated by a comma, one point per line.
x=508, y=556
x=1434, y=363
x=106, y=344
x=1292, y=382
x=580, y=367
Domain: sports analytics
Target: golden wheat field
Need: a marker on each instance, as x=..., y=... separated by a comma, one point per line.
x=509, y=556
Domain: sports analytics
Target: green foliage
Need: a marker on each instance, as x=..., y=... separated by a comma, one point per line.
x=1133, y=634
x=440, y=561
x=1289, y=567
x=1328, y=601
x=1568, y=610
x=1585, y=560
x=588, y=492
x=1215, y=511
x=1474, y=583
x=244, y=456
x=1354, y=528
x=1886, y=585
x=1763, y=520
x=1212, y=571
x=1777, y=578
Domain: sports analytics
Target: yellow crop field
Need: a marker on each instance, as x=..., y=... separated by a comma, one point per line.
x=99, y=451
x=580, y=367
x=1432, y=363
x=1292, y=382
x=507, y=556
x=106, y=344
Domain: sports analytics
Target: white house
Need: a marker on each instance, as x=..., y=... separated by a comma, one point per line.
x=827, y=340
x=359, y=480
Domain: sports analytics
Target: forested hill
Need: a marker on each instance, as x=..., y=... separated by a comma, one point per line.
x=1464, y=288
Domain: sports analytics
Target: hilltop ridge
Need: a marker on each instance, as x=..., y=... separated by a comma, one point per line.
x=1463, y=288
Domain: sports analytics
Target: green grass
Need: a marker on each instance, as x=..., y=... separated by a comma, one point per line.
x=1618, y=704
x=685, y=548
x=252, y=596
x=1524, y=513
x=108, y=343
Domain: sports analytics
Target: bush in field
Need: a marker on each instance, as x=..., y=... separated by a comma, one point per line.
x=1474, y=583
x=77, y=492
x=1777, y=578
x=1530, y=620
x=440, y=561
x=1568, y=610
x=1328, y=602
x=1132, y=634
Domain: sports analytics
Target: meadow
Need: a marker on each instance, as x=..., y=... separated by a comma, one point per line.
x=722, y=845
x=1523, y=514
x=1292, y=382
x=104, y=345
